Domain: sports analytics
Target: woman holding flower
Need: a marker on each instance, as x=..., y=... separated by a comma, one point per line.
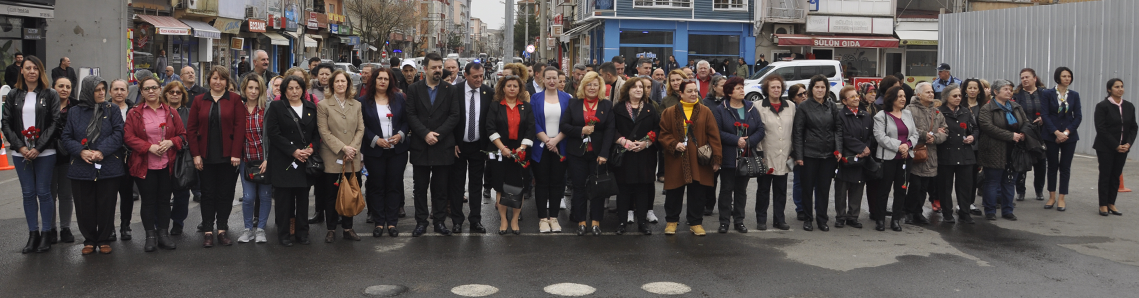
x=31, y=124
x=684, y=128
x=290, y=127
x=956, y=159
x=741, y=131
x=152, y=130
x=636, y=123
x=385, y=152
x=857, y=142
x=588, y=125
x=549, y=155
x=511, y=127
x=92, y=130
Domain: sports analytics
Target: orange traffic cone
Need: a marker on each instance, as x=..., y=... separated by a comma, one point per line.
x=1121, y=187
x=4, y=166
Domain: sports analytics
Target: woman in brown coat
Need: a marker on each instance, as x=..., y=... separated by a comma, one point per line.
x=684, y=128
x=339, y=120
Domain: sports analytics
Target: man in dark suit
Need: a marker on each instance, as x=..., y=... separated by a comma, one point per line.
x=433, y=111
x=534, y=85
x=645, y=70
x=470, y=140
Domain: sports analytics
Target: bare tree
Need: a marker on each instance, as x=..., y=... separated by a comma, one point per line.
x=377, y=19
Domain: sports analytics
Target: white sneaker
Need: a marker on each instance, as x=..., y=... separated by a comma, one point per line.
x=563, y=203
x=651, y=217
x=260, y=236
x=543, y=226
x=554, y=226
x=630, y=217
x=246, y=236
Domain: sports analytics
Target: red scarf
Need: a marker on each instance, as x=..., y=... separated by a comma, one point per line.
x=590, y=107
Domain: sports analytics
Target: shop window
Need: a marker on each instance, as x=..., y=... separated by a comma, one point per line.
x=857, y=62
x=714, y=45
x=729, y=5
x=921, y=63
x=633, y=53
x=646, y=37
x=663, y=3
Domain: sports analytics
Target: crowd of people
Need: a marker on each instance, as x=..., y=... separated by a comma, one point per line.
x=538, y=133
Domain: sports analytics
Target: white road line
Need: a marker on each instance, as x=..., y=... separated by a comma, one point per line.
x=474, y=290
x=666, y=288
x=569, y=289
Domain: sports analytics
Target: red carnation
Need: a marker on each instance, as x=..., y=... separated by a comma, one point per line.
x=770, y=171
x=652, y=136
x=563, y=158
x=963, y=125
x=836, y=153
x=689, y=122
x=162, y=125
x=83, y=142
x=389, y=115
x=737, y=124
x=1037, y=114
x=844, y=160
x=904, y=186
x=746, y=126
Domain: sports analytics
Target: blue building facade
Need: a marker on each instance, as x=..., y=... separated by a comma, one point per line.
x=686, y=29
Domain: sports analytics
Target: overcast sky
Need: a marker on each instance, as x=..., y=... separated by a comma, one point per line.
x=491, y=12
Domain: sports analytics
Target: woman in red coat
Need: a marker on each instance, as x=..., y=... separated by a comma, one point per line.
x=217, y=133
x=152, y=129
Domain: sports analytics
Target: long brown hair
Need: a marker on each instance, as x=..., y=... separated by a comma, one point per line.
x=629, y=85
x=44, y=82
x=500, y=89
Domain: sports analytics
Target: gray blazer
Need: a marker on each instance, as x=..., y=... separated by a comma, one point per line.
x=886, y=132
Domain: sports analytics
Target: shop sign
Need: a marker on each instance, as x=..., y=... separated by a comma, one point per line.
x=312, y=22
x=353, y=40
x=837, y=41
x=321, y=20
x=850, y=25
x=173, y=31
x=333, y=28
x=236, y=43
x=859, y=80
x=256, y=25
x=25, y=11
x=228, y=26
x=33, y=34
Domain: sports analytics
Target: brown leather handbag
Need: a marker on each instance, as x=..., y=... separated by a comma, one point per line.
x=349, y=200
x=921, y=153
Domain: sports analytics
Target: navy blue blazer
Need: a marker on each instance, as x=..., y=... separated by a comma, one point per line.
x=1057, y=119
x=538, y=105
x=372, y=128
x=726, y=119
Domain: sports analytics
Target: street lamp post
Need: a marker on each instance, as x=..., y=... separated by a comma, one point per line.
x=508, y=35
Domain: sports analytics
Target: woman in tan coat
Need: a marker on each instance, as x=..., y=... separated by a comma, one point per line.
x=683, y=129
x=341, y=127
x=778, y=116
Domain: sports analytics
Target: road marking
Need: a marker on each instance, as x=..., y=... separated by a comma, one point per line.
x=474, y=290
x=569, y=289
x=385, y=290
x=666, y=288
x=9, y=180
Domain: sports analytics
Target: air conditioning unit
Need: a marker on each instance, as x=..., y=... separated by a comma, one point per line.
x=251, y=12
x=784, y=29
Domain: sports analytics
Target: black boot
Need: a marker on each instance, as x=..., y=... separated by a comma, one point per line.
x=52, y=236
x=164, y=240
x=65, y=235
x=125, y=234
x=151, y=238
x=44, y=245
x=895, y=225
x=319, y=218
x=33, y=242
x=879, y=225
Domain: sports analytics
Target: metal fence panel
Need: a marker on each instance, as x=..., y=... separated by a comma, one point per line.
x=1095, y=39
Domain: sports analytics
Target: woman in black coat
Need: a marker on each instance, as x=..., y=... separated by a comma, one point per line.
x=290, y=125
x=1113, y=117
x=587, y=143
x=636, y=123
x=741, y=131
x=385, y=151
x=510, y=123
x=816, y=139
x=33, y=149
x=955, y=157
x=858, y=128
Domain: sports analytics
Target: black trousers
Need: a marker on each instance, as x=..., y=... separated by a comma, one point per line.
x=635, y=196
x=219, y=181
x=674, y=202
x=155, y=192
x=710, y=193
x=580, y=167
x=1060, y=161
x=319, y=191
x=384, y=187
x=291, y=202
x=435, y=178
x=467, y=171
x=1039, y=169
x=959, y=178
x=549, y=184
x=125, y=188
x=95, y=208
x=768, y=184
x=817, y=176
x=893, y=178
x=847, y=199
x=331, y=216
x=916, y=192
x=1110, y=167
x=733, y=196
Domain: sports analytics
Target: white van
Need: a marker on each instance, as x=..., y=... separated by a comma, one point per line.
x=797, y=72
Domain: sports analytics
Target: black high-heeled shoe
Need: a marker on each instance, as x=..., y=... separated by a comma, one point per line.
x=392, y=231
x=596, y=230
x=581, y=230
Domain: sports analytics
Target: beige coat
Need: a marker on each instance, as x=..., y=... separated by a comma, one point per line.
x=339, y=127
x=776, y=144
x=922, y=116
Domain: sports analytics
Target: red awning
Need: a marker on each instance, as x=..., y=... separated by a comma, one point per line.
x=166, y=25
x=842, y=41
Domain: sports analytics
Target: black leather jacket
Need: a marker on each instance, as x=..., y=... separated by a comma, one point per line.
x=818, y=130
x=47, y=118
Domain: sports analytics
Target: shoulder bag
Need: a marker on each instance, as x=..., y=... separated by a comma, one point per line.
x=920, y=151
x=752, y=165
x=253, y=173
x=185, y=174
x=314, y=165
x=601, y=183
x=618, y=156
x=349, y=200
x=511, y=196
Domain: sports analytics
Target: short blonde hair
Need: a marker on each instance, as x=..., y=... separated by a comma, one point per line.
x=519, y=70
x=585, y=80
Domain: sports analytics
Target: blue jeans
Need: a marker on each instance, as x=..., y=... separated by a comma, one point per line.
x=35, y=182
x=797, y=190
x=250, y=194
x=998, y=190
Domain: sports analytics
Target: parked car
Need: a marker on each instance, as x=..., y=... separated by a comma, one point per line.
x=352, y=71
x=797, y=72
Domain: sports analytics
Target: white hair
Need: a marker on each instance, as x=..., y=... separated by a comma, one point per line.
x=257, y=52
x=704, y=63
x=923, y=84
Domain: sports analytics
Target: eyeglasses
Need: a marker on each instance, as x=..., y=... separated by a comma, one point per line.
x=801, y=94
x=175, y=92
x=150, y=89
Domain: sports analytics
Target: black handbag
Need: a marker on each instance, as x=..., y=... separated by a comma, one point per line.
x=253, y=173
x=601, y=184
x=185, y=174
x=752, y=165
x=511, y=196
x=872, y=168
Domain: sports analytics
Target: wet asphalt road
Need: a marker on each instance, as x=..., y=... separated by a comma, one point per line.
x=1044, y=254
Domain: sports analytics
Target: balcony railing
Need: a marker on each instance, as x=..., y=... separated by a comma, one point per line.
x=785, y=11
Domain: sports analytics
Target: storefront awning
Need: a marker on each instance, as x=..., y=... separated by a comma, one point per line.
x=841, y=41
x=165, y=25
x=580, y=29
x=309, y=42
x=918, y=38
x=203, y=30
x=276, y=39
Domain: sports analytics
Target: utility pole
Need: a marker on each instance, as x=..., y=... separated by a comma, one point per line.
x=543, y=15
x=508, y=34
x=526, y=36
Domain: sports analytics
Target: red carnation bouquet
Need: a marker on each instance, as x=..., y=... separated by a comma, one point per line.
x=588, y=142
